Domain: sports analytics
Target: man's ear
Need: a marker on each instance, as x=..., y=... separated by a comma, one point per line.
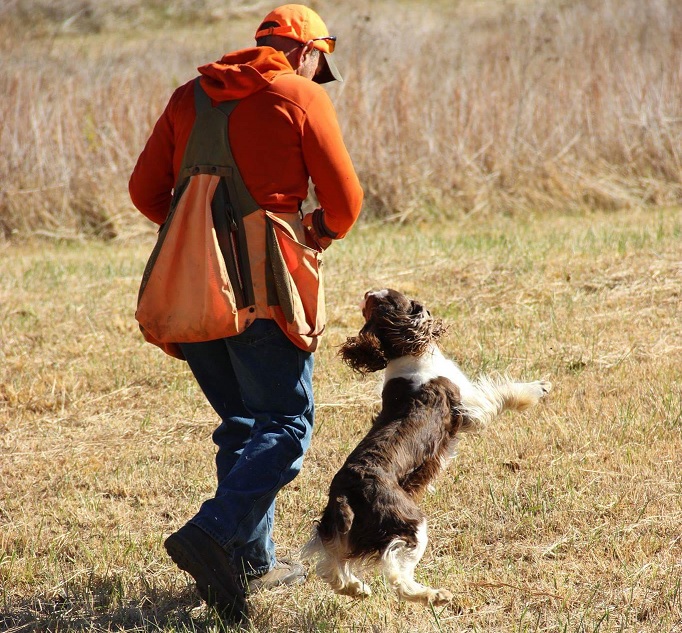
x=305, y=52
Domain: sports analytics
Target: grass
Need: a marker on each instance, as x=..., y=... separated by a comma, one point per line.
x=564, y=519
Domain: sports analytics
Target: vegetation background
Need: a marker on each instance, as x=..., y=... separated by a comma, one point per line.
x=521, y=160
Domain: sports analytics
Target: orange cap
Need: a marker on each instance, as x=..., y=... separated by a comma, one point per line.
x=302, y=24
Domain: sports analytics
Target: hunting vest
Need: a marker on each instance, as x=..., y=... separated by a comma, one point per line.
x=220, y=261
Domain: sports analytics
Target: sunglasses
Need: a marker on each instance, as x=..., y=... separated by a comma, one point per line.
x=329, y=38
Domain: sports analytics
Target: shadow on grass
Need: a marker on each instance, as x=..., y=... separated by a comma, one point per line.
x=157, y=610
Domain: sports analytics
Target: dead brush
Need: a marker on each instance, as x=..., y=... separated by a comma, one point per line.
x=473, y=107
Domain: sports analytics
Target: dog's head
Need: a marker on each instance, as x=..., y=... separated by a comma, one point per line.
x=395, y=326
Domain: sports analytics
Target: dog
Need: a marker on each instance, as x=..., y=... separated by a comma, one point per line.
x=372, y=517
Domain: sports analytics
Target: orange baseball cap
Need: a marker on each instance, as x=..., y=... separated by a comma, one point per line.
x=300, y=23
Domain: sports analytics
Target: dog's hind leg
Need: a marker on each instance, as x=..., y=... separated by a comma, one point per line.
x=333, y=568
x=398, y=563
x=341, y=579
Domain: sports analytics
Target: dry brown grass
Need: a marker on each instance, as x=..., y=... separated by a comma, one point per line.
x=479, y=106
x=518, y=105
x=565, y=519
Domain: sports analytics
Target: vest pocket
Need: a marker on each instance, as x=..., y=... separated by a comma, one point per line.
x=297, y=273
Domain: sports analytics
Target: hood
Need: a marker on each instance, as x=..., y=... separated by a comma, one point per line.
x=240, y=74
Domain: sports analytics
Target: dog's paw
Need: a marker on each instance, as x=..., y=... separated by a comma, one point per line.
x=440, y=597
x=545, y=387
x=536, y=391
x=364, y=591
x=357, y=589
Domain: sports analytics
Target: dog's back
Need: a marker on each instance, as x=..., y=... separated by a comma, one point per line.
x=407, y=446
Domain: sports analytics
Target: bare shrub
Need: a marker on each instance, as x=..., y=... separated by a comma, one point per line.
x=446, y=109
x=547, y=105
x=41, y=17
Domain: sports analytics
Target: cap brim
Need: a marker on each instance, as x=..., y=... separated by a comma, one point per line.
x=329, y=72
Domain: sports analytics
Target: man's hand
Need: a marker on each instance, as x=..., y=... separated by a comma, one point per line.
x=316, y=235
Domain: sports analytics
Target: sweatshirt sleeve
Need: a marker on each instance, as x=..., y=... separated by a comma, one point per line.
x=152, y=181
x=330, y=167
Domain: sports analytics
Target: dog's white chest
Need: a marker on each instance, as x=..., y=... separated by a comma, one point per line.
x=419, y=370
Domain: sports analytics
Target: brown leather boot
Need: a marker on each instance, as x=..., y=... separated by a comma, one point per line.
x=195, y=552
x=283, y=573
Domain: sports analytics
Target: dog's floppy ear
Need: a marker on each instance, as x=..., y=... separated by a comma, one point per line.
x=418, y=312
x=410, y=331
x=425, y=323
x=363, y=353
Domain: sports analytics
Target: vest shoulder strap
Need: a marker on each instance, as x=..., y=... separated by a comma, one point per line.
x=202, y=102
x=208, y=150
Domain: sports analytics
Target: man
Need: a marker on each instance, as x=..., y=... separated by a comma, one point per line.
x=282, y=132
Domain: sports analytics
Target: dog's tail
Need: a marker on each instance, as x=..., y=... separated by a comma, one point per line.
x=342, y=514
x=332, y=527
x=489, y=398
x=314, y=548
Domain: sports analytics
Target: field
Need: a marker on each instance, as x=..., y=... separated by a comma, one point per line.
x=566, y=518
x=533, y=201
x=476, y=106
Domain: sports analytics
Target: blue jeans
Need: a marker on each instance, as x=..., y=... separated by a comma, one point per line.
x=260, y=384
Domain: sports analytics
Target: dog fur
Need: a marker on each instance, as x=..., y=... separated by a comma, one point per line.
x=372, y=516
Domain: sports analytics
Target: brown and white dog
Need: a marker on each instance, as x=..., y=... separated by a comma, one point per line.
x=372, y=516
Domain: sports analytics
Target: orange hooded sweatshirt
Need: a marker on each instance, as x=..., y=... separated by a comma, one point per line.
x=283, y=132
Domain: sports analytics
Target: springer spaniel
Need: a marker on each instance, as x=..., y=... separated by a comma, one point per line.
x=372, y=516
